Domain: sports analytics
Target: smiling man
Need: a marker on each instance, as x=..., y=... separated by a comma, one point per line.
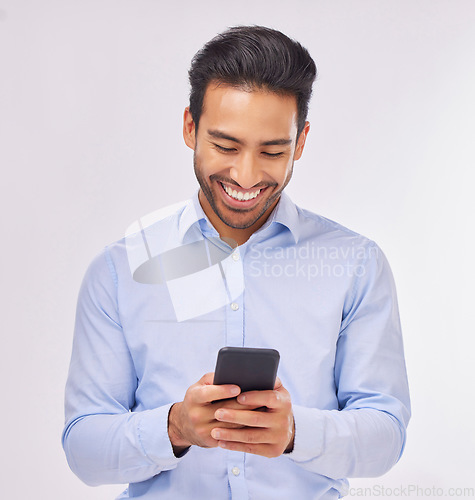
x=239, y=265
x=245, y=149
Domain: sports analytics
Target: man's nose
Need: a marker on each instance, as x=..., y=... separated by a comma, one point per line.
x=246, y=171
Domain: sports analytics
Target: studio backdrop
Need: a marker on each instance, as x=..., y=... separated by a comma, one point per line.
x=92, y=95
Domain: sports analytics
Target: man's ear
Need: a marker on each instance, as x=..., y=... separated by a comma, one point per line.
x=189, y=129
x=301, y=141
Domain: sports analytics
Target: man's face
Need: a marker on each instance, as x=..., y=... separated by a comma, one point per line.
x=244, y=152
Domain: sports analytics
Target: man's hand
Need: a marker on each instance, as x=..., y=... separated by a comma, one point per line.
x=190, y=422
x=268, y=433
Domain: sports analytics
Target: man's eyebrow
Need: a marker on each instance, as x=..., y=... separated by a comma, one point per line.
x=274, y=142
x=277, y=142
x=221, y=135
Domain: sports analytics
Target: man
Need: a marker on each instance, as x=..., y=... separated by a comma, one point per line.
x=240, y=265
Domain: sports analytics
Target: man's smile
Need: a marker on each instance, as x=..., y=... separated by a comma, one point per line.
x=237, y=197
x=239, y=194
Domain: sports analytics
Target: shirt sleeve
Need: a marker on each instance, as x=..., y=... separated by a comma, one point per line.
x=365, y=436
x=103, y=440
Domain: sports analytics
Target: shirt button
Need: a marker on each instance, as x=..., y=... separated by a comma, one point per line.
x=234, y=306
x=235, y=257
x=235, y=471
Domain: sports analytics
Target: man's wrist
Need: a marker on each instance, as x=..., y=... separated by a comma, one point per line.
x=290, y=446
x=179, y=445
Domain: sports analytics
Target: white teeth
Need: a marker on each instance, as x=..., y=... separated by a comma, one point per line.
x=239, y=195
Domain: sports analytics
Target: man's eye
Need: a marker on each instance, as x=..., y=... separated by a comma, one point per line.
x=223, y=149
x=272, y=155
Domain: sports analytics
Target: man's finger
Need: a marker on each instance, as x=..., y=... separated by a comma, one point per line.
x=245, y=435
x=206, y=379
x=271, y=399
x=205, y=393
x=243, y=417
x=233, y=404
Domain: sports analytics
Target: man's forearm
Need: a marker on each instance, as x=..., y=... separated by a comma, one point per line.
x=122, y=448
x=348, y=443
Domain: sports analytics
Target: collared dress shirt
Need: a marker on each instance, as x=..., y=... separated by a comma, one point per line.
x=153, y=311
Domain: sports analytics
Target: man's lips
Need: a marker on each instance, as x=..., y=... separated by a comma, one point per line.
x=240, y=194
x=240, y=198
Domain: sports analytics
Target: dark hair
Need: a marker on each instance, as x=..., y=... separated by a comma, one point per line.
x=253, y=57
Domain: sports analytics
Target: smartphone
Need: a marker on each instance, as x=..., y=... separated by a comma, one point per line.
x=251, y=368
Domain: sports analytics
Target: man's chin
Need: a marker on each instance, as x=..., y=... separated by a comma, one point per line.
x=242, y=218
x=238, y=224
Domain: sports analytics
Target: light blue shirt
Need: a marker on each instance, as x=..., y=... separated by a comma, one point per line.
x=153, y=311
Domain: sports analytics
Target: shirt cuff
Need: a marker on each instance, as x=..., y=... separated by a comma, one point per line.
x=309, y=430
x=152, y=433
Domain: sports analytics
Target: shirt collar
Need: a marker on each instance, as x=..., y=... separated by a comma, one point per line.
x=193, y=223
x=285, y=214
x=194, y=219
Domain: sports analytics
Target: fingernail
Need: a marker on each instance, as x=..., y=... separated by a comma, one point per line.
x=216, y=434
x=235, y=391
x=219, y=414
x=241, y=399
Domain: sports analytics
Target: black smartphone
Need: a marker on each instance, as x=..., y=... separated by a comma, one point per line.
x=251, y=368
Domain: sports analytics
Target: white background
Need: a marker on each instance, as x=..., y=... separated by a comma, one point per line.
x=91, y=101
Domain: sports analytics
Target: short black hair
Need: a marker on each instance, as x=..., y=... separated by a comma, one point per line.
x=253, y=57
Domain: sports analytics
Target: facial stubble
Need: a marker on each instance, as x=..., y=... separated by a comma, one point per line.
x=207, y=191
